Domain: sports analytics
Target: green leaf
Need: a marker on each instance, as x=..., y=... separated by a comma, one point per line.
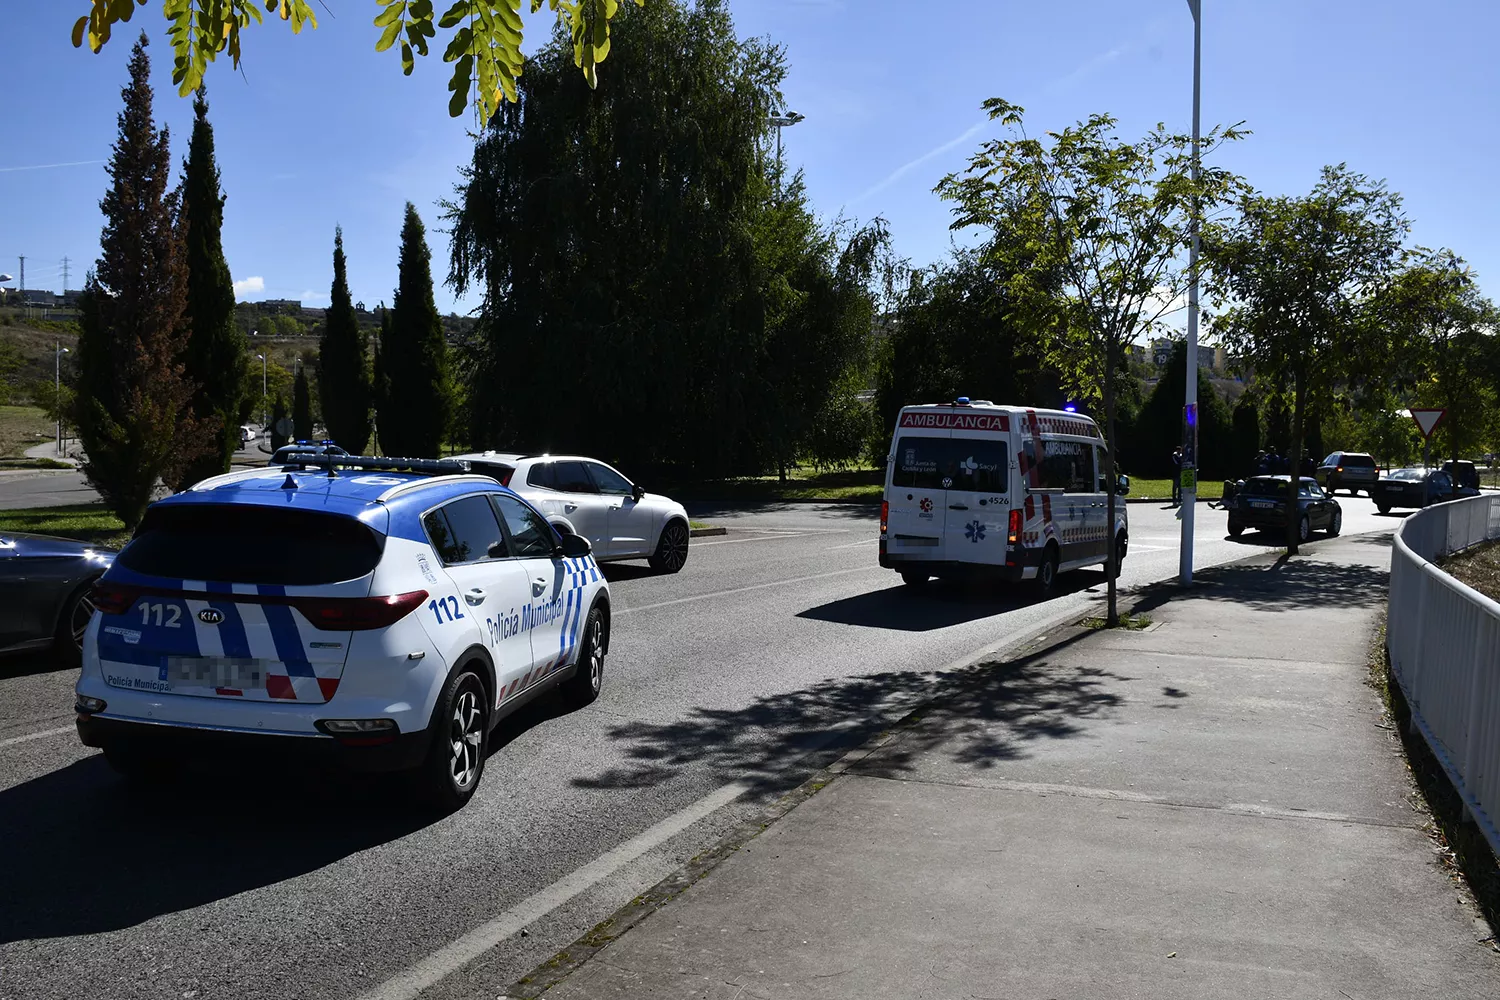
x=394, y=11
x=407, y=62
x=388, y=36
x=458, y=12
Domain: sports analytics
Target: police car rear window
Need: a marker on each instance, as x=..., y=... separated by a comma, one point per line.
x=240, y=543
x=933, y=463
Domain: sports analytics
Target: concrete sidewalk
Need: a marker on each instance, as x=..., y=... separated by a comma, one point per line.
x=1213, y=807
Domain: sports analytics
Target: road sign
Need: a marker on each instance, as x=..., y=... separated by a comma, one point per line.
x=1427, y=420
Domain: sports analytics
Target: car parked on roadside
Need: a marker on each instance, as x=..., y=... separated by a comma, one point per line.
x=584, y=496
x=1260, y=504
x=1465, y=474
x=1417, y=487
x=1348, y=470
x=44, y=592
x=288, y=453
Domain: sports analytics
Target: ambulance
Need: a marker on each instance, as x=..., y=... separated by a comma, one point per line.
x=973, y=489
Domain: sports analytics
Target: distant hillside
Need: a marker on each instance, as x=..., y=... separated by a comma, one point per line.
x=34, y=341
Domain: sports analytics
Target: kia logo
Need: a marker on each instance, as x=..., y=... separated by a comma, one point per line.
x=210, y=616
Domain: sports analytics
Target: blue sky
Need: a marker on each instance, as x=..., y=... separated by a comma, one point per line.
x=321, y=130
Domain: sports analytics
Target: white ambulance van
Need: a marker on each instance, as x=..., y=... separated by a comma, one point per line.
x=973, y=489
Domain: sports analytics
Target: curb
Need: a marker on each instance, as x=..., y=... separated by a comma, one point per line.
x=706, y=532
x=1051, y=632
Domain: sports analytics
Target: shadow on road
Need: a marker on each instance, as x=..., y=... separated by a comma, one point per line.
x=992, y=712
x=30, y=663
x=1288, y=584
x=615, y=572
x=939, y=604
x=86, y=853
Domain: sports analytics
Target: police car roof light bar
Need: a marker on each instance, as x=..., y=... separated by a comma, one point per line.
x=427, y=466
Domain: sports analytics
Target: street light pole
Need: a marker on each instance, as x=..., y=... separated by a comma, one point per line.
x=262, y=359
x=781, y=122
x=1189, y=470
x=57, y=390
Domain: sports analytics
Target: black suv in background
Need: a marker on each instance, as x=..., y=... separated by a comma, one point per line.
x=1348, y=470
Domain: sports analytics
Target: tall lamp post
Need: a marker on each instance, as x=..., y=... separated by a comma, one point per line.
x=263, y=418
x=57, y=390
x=1189, y=471
x=781, y=122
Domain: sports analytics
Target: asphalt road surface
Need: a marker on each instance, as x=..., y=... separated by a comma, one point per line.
x=726, y=685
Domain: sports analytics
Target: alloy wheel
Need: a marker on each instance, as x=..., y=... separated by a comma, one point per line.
x=596, y=655
x=674, y=547
x=467, y=737
x=83, y=613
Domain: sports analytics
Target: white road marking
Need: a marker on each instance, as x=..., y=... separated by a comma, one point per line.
x=409, y=984
x=850, y=545
x=12, y=741
x=774, y=537
x=746, y=590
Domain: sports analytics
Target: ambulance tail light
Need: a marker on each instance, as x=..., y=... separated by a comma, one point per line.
x=885, y=514
x=1013, y=536
x=358, y=614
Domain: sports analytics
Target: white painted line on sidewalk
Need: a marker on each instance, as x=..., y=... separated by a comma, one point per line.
x=13, y=740
x=745, y=590
x=408, y=985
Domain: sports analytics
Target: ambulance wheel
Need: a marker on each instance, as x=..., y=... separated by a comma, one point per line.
x=1046, y=573
x=455, y=760
x=913, y=579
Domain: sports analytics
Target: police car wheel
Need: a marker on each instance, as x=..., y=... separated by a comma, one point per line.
x=671, y=549
x=588, y=677
x=1046, y=573
x=455, y=761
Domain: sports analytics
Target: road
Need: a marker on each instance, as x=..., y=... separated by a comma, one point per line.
x=59, y=487
x=726, y=685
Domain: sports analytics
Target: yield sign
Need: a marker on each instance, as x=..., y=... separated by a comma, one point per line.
x=1427, y=420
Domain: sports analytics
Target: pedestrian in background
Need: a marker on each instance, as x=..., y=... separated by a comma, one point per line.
x=1262, y=464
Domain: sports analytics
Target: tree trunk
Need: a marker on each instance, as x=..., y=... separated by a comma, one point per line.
x=1111, y=554
x=1294, y=513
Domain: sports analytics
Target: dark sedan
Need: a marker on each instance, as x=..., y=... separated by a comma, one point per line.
x=44, y=592
x=1260, y=503
x=1417, y=488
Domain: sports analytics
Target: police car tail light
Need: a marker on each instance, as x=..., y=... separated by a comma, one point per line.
x=357, y=614
x=113, y=599
x=1015, y=527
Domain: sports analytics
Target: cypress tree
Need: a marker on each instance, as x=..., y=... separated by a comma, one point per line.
x=343, y=376
x=278, y=414
x=216, y=358
x=134, y=415
x=302, y=422
x=414, y=357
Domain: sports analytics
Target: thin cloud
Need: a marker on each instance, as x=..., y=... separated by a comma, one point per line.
x=49, y=166
x=255, y=284
x=1084, y=71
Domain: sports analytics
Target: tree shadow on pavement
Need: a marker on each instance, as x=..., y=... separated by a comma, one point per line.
x=707, y=510
x=990, y=713
x=1288, y=584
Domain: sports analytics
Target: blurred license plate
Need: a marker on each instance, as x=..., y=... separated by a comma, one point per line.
x=218, y=672
x=1263, y=504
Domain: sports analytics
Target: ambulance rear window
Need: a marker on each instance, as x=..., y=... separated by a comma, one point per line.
x=934, y=463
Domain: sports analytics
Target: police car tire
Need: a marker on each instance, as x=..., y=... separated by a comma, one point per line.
x=671, y=548
x=438, y=784
x=588, y=677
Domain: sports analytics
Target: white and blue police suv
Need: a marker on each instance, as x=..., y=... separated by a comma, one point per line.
x=385, y=614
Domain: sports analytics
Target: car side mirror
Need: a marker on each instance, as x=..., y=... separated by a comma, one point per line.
x=573, y=546
x=638, y=491
x=1122, y=485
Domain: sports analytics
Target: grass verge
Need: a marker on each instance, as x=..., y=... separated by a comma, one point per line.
x=1464, y=853
x=1130, y=623
x=850, y=486
x=1161, y=489
x=22, y=427
x=91, y=522
x=1479, y=567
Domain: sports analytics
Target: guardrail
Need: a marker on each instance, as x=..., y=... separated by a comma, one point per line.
x=1444, y=644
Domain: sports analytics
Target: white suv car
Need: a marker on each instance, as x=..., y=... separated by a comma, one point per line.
x=382, y=614
x=584, y=496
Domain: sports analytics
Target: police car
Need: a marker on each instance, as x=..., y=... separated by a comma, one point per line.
x=382, y=613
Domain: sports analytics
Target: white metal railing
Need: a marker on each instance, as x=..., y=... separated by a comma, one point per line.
x=1444, y=643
